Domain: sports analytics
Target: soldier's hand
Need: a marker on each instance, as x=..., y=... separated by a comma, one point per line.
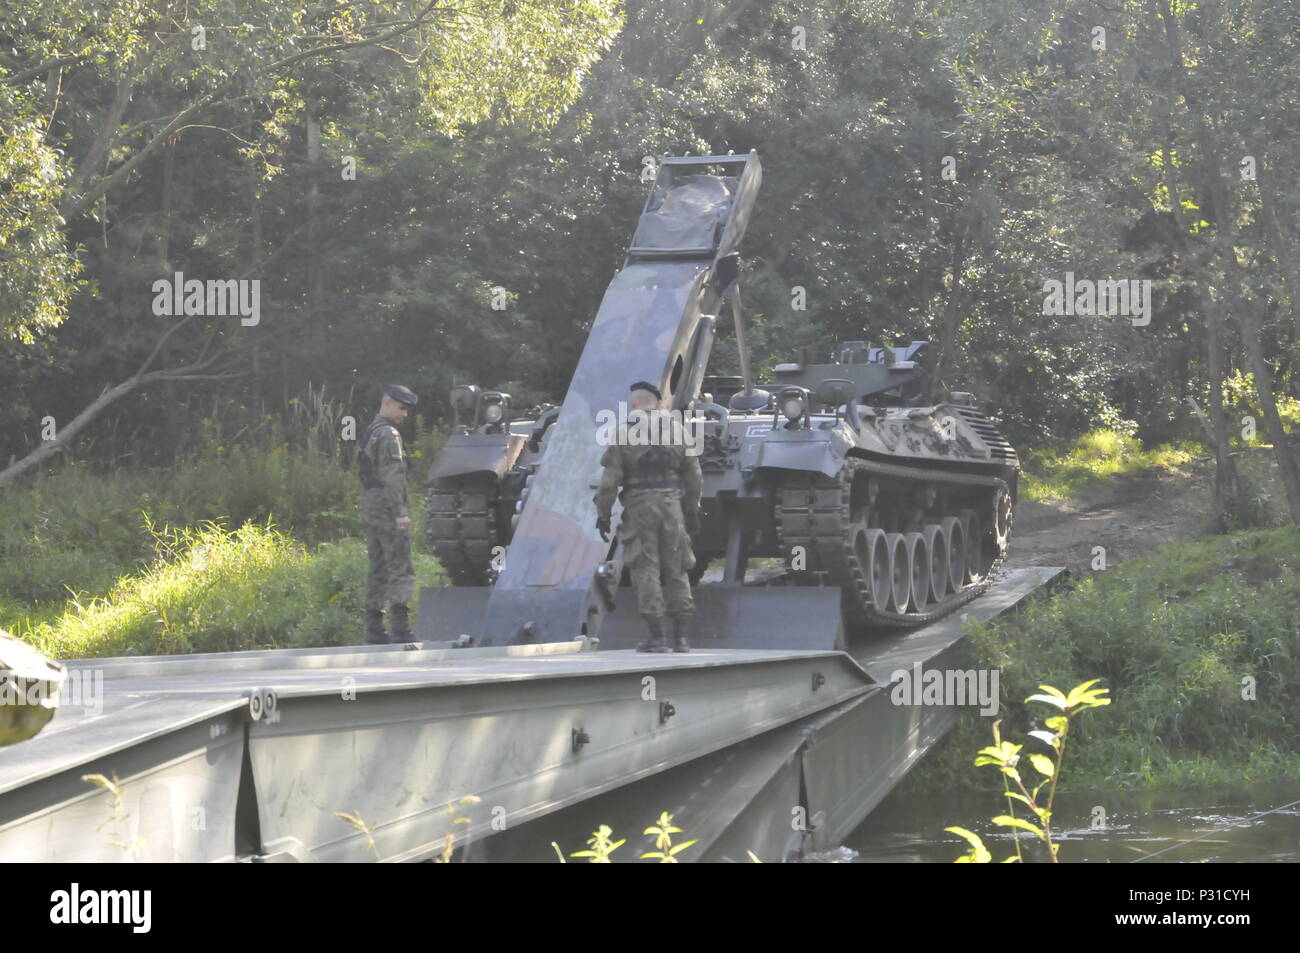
x=602, y=527
x=692, y=523
x=403, y=523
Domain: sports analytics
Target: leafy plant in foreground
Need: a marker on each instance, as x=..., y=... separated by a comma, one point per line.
x=1005, y=756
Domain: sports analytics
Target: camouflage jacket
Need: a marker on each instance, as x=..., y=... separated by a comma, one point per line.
x=627, y=465
x=387, y=493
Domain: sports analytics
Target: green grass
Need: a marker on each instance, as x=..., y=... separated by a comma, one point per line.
x=212, y=589
x=79, y=529
x=1087, y=467
x=1172, y=636
x=85, y=555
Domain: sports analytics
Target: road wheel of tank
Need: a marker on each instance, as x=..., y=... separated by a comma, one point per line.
x=1002, y=507
x=979, y=557
x=936, y=544
x=867, y=561
x=900, y=575
x=918, y=570
x=955, y=530
x=878, y=568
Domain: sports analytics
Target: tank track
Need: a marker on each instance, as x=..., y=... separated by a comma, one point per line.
x=460, y=529
x=814, y=511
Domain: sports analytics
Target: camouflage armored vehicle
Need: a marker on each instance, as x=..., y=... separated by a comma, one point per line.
x=841, y=469
x=842, y=473
x=856, y=481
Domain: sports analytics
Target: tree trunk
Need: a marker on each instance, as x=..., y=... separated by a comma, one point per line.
x=255, y=253
x=1286, y=463
x=1225, y=470
x=951, y=311
x=171, y=396
x=1279, y=247
x=314, y=275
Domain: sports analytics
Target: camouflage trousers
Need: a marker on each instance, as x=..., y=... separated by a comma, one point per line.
x=657, y=551
x=392, y=577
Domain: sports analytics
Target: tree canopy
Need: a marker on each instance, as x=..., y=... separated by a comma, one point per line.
x=390, y=171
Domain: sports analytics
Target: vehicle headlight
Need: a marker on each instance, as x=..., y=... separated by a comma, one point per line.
x=495, y=407
x=793, y=406
x=464, y=400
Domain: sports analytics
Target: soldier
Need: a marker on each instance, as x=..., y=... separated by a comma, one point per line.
x=661, y=506
x=382, y=464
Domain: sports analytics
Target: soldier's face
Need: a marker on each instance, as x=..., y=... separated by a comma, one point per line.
x=395, y=410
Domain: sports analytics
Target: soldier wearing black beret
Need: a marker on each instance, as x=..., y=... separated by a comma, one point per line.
x=386, y=519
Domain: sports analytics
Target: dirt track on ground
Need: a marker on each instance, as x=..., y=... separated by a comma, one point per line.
x=1144, y=512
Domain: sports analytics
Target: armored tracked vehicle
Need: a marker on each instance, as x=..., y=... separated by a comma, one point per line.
x=842, y=469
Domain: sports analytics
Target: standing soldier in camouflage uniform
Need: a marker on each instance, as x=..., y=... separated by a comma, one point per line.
x=382, y=464
x=661, y=506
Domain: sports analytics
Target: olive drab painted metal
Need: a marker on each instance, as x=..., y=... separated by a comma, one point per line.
x=645, y=328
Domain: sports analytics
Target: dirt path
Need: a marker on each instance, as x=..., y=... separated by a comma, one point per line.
x=1145, y=512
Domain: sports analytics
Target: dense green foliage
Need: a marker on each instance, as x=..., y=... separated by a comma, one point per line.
x=1174, y=637
x=74, y=537
x=77, y=528
x=928, y=166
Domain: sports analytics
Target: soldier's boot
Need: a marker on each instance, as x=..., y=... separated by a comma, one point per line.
x=681, y=633
x=375, y=634
x=400, y=623
x=656, y=643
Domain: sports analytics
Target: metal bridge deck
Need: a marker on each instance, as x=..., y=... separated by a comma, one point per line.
x=146, y=697
x=252, y=755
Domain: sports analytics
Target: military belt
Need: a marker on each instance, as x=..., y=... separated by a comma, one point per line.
x=670, y=482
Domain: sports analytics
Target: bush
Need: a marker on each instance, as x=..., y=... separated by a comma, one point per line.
x=1174, y=636
x=75, y=532
x=1249, y=504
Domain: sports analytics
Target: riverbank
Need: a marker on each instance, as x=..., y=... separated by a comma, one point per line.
x=1199, y=645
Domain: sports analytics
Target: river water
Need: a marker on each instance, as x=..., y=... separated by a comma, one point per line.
x=1145, y=826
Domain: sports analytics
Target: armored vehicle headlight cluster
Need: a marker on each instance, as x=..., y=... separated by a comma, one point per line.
x=473, y=406
x=793, y=403
x=495, y=406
